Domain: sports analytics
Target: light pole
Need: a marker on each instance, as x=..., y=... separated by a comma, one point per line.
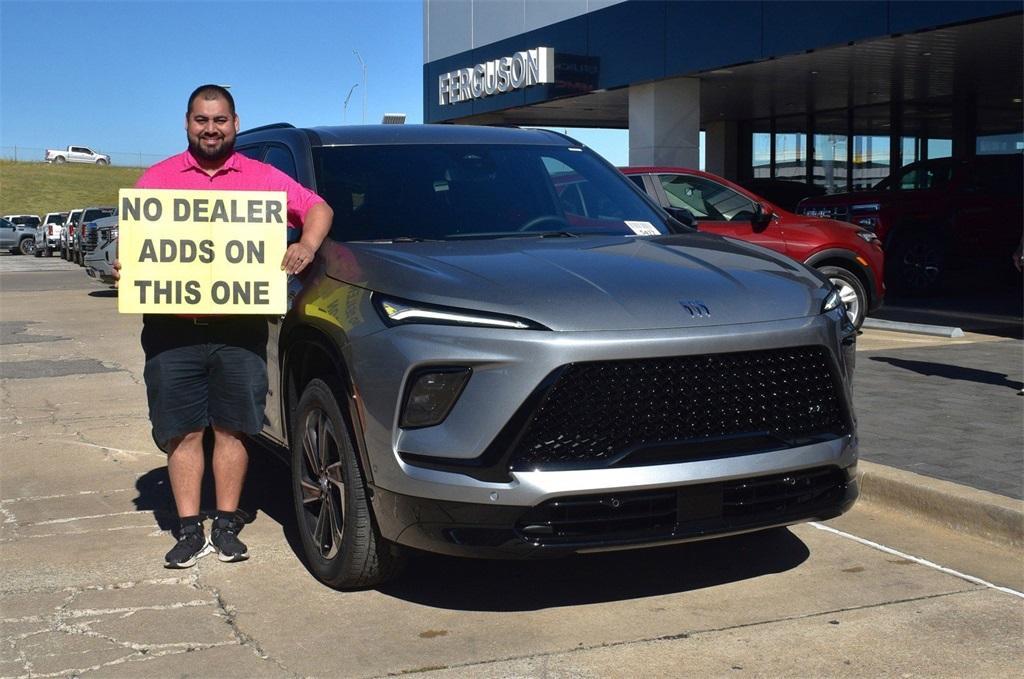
x=344, y=110
x=363, y=64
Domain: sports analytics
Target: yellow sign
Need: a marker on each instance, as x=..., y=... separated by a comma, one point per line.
x=202, y=252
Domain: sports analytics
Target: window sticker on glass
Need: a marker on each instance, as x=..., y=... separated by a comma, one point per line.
x=643, y=228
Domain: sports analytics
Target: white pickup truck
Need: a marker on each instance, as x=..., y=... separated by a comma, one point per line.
x=76, y=154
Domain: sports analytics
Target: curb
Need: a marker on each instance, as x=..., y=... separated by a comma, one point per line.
x=916, y=328
x=976, y=512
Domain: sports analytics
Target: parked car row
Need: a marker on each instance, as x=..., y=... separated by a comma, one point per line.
x=74, y=234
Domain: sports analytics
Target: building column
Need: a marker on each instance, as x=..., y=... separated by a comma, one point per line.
x=721, y=149
x=664, y=123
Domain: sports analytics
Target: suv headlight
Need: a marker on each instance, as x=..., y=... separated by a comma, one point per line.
x=869, y=236
x=401, y=312
x=832, y=301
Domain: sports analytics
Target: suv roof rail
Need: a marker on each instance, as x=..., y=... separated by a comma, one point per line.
x=272, y=126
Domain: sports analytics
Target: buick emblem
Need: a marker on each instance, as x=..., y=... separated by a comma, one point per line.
x=697, y=308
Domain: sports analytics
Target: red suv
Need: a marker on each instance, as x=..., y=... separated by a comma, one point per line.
x=850, y=256
x=937, y=215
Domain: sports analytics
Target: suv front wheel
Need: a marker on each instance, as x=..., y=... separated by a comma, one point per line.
x=915, y=263
x=342, y=544
x=851, y=291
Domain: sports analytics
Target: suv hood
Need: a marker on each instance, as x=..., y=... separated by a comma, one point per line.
x=590, y=282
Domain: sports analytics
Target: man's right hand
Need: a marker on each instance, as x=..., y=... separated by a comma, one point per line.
x=117, y=272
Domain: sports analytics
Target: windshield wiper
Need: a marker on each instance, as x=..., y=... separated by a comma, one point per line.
x=398, y=239
x=511, y=234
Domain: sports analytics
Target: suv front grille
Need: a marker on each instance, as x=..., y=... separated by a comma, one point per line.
x=686, y=511
x=90, y=240
x=656, y=411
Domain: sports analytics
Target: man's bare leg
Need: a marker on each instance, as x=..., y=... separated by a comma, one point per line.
x=185, y=466
x=230, y=462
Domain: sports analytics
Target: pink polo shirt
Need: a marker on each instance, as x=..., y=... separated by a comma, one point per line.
x=238, y=174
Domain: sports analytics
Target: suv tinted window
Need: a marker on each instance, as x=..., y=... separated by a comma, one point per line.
x=706, y=199
x=281, y=158
x=1003, y=175
x=926, y=176
x=250, y=152
x=452, y=191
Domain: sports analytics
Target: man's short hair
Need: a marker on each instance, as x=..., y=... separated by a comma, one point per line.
x=210, y=92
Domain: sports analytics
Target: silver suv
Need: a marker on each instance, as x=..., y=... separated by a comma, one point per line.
x=507, y=350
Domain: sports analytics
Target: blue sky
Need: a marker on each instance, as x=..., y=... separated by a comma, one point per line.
x=116, y=75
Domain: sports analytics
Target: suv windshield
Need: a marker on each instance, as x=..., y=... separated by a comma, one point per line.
x=467, y=191
x=930, y=174
x=96, y=213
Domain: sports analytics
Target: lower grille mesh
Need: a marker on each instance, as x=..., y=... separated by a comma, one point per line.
x=684, y=511
x=597, y=412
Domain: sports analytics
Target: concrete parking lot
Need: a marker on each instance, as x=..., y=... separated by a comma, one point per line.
x=86, y=508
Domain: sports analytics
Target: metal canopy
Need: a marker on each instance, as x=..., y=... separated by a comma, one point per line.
x=980, y=61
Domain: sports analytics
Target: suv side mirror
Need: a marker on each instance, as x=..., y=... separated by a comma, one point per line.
x=682, y=215
x=761, y=218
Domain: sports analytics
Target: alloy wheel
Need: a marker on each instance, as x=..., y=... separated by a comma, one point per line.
x=322, y=483
x=849, y=297
x=922, y=265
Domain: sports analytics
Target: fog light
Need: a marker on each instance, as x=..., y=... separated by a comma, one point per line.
x=431, y=396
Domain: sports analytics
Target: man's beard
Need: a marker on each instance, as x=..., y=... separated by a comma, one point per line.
x=225, y=149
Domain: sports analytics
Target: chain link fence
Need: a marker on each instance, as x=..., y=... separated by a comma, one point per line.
x=31, y=154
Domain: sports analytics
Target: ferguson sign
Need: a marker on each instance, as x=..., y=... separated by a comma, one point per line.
x=522, y=69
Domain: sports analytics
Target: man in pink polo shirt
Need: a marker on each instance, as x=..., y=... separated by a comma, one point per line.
x=212, y=371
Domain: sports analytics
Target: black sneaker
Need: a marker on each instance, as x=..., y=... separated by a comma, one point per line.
x=192, y=546
x=224, y=537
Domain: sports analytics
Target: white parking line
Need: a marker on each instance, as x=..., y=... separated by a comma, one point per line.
x=916, y=559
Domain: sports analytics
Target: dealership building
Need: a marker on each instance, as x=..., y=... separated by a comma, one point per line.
x=828, y=93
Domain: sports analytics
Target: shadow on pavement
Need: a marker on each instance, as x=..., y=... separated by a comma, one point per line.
x=488, y=585
x=484, y=585
x=103, y=293
x=267, y=489
x=981, y=306
x=952, y=372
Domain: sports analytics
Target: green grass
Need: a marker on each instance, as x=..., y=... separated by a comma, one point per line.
x=37, y=188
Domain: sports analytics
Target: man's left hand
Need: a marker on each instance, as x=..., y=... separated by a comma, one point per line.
x=296, y=258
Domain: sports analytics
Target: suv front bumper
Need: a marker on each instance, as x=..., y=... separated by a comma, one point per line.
x=616, y=520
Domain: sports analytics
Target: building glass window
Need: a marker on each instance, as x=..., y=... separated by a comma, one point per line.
x=870, y=161
x=940, y=148
x=911, y=150
x=761, y=158
x=791, y=157
x=830, y=162
x=1000, y=143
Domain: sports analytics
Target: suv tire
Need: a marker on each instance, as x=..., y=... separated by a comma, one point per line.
x=27, y=246
x=851, y=290
x=60, y=159
x=342, y=544
x=102, y=161
x=916, y=263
